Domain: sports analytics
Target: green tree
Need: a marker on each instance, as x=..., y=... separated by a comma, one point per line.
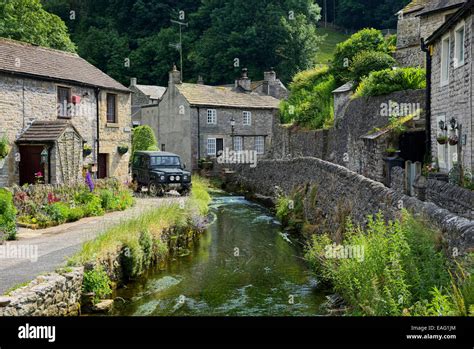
x=27, y=21
x=143, y=139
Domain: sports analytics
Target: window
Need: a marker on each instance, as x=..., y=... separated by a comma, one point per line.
x=211, y=146
x=111, y=108
x=445, y=54
x=260, y=144
x=211, y=116
x=459, y=46
x=64, y=99
x=247, y=118
x=238, y=144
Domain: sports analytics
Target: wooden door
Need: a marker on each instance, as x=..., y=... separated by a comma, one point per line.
x=30, y=163
x=219, y=146
x=102, y=166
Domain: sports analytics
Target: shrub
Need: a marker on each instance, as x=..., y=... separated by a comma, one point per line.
x=369, y=61
x=75, y=214
x=143, y=139
x=146, y=243
x=98, y=282
x=124, y=200
x=4, y=147
x=7, y=215
x=131, y=259
x=311, y=101
x=401, y=272
x=389, y=80
x=93, y=208
x=58, y=212
x=108, y=200
x=364, y=40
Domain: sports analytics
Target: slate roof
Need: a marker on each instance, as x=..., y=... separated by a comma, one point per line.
x=44, y=131
x=218, y=96
x=454, y=19
x=344, y=88
x=438, y=5
x=154, y=92
x=415, y=5
x=25, y=59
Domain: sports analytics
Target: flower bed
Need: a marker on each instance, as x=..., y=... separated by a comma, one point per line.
x=43, y=206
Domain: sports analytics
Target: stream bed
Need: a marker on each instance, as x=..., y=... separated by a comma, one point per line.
x=243, y=265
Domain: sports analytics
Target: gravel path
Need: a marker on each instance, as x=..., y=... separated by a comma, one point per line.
x=55, y=245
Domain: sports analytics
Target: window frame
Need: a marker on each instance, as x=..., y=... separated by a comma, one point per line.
x=212, y=116
x=115, y=120
x=247, y=114
x=59, y=103
x=445, y=60
x=208, y=148
x=260, y=151
x=241, y=143
x=457, y=45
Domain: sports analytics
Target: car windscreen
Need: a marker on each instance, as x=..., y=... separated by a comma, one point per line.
x=167, y=161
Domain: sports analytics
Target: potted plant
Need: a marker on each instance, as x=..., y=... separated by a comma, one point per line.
x=453, y=140
x=391, y=152
x=442, y=139
x=122, y=149
x=87, y=150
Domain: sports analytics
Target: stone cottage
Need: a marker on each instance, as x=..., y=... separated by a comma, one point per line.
x=198, y=121
x=452, y=90
x=145, y=99
x=55, y=109
x=418, y=20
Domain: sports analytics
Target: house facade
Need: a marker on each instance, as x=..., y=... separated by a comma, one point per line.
x=197, y=121
x=417, y=21
x=52, y=103
x=144, y=96
x=452, y=94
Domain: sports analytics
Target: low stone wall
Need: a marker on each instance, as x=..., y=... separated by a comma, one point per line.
x=451, y=197
x=48, y=295
x=341, y=192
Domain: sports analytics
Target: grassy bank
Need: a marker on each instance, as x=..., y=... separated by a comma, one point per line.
x=143, y=241
x=394, y=269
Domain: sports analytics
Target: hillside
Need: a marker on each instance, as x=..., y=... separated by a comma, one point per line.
x=327, y=47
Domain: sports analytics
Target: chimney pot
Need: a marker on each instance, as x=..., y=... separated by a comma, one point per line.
x=133, y=81
x=175, y=76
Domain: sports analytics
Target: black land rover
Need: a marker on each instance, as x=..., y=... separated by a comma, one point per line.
x=160, y=172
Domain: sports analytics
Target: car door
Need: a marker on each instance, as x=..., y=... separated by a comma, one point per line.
x=146, y=169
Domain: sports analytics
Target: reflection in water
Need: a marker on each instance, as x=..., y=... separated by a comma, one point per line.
x=243, y=265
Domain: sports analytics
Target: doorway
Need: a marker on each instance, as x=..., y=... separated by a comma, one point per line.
x=219, y=146
x=30, y=163
x=103, y=161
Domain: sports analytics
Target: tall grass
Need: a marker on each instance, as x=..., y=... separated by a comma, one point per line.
x=139, y=236
x=401, y=272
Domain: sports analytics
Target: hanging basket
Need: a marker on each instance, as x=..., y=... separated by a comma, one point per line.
x=122, y=150
x=442, y=140
x=453, y=140
x=86, y=152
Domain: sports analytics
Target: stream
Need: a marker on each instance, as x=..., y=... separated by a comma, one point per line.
x=243, y=265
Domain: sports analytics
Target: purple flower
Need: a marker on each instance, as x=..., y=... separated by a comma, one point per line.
x=89, y=181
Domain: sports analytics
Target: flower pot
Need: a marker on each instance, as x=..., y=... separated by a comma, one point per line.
x=454, y=140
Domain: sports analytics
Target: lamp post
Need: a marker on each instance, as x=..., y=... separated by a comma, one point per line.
x=232, y=124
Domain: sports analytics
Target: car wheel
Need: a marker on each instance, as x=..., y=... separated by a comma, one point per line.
x=155, y=189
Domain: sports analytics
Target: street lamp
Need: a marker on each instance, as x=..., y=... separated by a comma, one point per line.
x=232, y=124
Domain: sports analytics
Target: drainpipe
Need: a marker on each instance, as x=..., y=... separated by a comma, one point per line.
x=427, y=50
x=199, y=134
x=97, y=94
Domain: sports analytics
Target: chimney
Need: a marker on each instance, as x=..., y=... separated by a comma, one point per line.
x=175, y=76
x=269, y=76
x=244, y=82
x=200, y=80
x=133, y=82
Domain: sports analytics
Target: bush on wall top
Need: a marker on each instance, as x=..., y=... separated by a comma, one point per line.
x=367, y=62
x=143, y=139
x=390, y=80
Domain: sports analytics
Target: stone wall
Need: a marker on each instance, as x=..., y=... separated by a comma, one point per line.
x=341, y=192
x=398, y=180
x=451, y=197
x=48, y=295
x=343, y=144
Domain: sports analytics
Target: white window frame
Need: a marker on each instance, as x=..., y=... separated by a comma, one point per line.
x=240, y=143
x=212, y=117
x=445, y=60
x=260, y=145
x=459, y=56
x=211, y=145
x=247, y=118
